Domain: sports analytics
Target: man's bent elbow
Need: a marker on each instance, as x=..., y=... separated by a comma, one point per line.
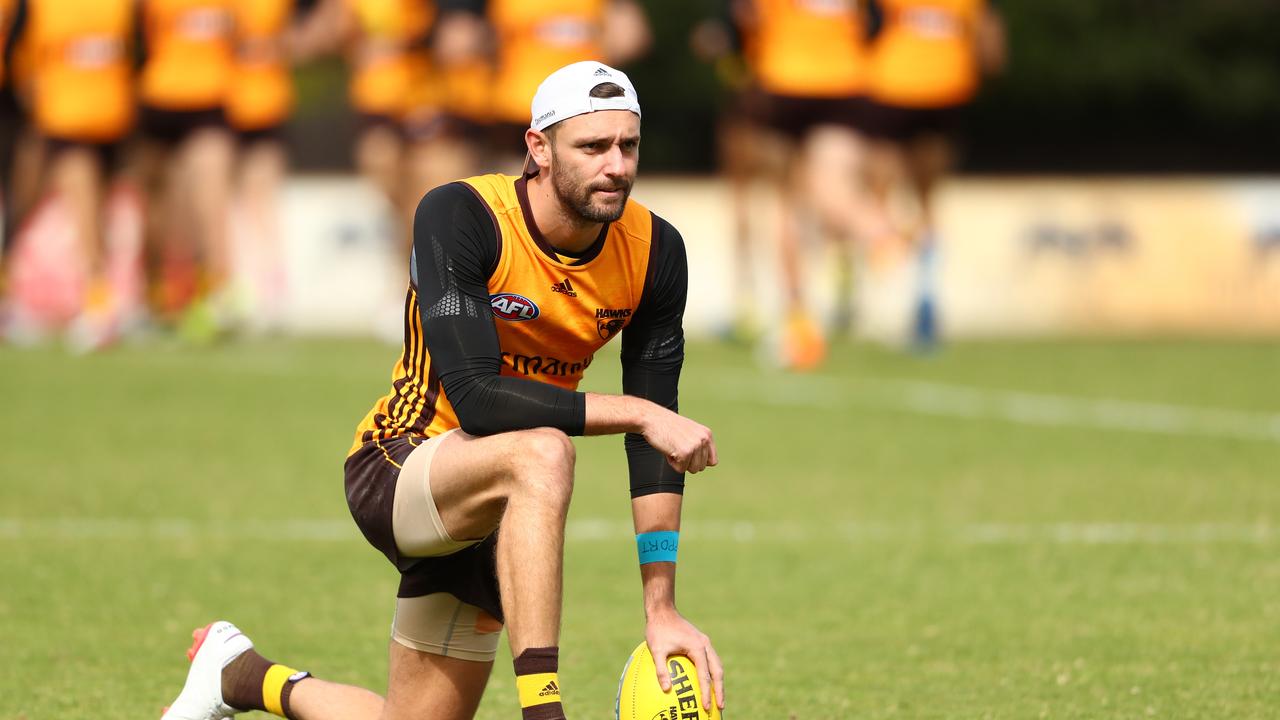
x=478, y=425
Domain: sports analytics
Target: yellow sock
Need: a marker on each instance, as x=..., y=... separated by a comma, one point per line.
x=277, y=685
x=538, y=685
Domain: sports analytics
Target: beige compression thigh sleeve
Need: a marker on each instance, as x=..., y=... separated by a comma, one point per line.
x=441, y=624
x=415, y=520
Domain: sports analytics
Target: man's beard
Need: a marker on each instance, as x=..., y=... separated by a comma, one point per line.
x=576, y=195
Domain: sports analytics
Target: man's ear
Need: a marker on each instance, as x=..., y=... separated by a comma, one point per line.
x=539, y=144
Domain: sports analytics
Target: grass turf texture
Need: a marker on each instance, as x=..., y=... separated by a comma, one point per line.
x=842, y=557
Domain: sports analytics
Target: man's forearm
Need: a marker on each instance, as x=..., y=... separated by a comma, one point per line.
x=655, y=513
x=614, y=414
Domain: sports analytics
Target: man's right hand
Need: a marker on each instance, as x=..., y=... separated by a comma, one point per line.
x=687, y=445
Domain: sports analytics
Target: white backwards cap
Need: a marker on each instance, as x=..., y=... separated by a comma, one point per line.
x=567, y=92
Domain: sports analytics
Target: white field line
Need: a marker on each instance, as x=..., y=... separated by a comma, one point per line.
x=1022, y=408
x=600, y=530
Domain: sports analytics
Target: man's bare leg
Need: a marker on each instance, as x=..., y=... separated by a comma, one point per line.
x=379, y=160
x=523, y=480
x=928, y=159
x=316, y=699
x=420, y=685
x=835, y=183
x=531, y=544
x=263, y=166
x=206, y=158
x=75, y=174
x=802, y=345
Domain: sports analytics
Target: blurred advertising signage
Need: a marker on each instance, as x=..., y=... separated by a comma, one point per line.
x=1112, y=256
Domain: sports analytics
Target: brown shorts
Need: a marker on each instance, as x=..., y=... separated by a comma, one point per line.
x=796, y=116
x=898, y=124
x=268, y=134
x=508, y=137
x=171, y=127
x=469, y=573
x=369, y=121
x=445, y=125
x=105, y=152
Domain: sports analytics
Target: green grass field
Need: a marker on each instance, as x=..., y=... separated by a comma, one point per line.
x=1012, y=530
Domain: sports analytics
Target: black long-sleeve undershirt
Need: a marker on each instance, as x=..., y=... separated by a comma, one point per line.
x=456, y=249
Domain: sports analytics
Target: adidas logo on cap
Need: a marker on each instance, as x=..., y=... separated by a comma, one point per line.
x=550, y=689
x=602, y=71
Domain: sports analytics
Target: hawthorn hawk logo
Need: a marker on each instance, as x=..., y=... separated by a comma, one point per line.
x=609, y=321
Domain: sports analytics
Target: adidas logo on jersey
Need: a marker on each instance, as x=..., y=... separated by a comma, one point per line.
x=550, y=689
x=564, y=287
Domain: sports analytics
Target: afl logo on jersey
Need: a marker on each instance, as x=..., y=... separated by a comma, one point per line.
x=513, y=307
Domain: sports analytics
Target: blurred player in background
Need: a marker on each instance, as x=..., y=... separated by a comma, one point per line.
x=16, y=137
x=386, y=45
x=82, y=105
x=809, y=63
x=24, y=168
x=419, y=83
x=926, y=64
x=535, y=38
x=189, y=61
x=386, y=58
x=259, y=102
x=746, y=149
x=452, y=83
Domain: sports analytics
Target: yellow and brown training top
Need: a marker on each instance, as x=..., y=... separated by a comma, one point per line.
x=536, y=39
x=190, y=53
x=809, y=48
x=389, y=61
x=499, y=327
x=82, y=81
x=925, y=55
x=261, y=93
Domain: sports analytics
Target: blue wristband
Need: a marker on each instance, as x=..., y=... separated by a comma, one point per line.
x=658, y=546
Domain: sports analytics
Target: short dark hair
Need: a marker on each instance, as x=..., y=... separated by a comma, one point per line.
x=607, y=90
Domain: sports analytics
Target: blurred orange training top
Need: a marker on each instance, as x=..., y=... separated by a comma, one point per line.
x=466, y=87
x=190, y=56
x=534, y=40
x=261, y=92
x=385, y=72
x=925, y=56
x=525, y=284
x=425, y=90
x=809, y=48
x=82, y=82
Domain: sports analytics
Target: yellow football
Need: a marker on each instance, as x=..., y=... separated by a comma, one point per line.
x=641, y=698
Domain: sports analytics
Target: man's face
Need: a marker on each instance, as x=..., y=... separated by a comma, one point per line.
x=594, y=160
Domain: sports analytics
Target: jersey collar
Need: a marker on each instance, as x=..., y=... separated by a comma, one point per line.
x=522, y=193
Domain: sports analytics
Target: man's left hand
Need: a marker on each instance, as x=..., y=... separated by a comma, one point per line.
x=668, y=634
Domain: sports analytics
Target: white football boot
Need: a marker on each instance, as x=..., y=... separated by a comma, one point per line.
x=215, y=646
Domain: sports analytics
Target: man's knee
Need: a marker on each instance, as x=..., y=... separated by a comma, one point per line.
x=543, y=458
